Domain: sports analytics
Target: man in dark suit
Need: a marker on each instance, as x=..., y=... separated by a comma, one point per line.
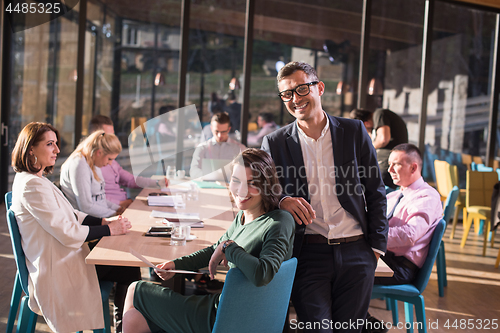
x=332, y=186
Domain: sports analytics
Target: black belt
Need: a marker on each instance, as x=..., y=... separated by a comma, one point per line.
x=318, y=239
x=401, y=260
x=407, y=262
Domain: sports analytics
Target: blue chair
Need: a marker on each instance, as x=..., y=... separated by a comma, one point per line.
x=412, y=293
x=17, y=290
x=245, y=308
x=388, y=189
x=27, y=319
x=449, y=211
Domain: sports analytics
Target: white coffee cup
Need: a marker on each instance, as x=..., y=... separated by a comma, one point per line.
x=181, y=174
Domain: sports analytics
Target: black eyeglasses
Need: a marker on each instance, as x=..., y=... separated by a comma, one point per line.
x=300, y=90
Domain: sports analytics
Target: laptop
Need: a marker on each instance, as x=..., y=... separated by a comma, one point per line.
x=215, y=170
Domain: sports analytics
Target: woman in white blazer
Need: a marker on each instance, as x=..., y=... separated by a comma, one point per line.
x=62, y=287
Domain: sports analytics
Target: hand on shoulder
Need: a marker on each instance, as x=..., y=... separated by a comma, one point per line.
x=301, y=210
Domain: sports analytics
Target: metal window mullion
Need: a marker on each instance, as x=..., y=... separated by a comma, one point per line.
x=495, y=90
x=426, y=66
x=80, y=68
x=247, y=67
x=364, y=53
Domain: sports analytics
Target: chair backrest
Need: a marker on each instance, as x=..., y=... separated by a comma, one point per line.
x=449, y=205
x=479, y=188
x=424, y=273
x=467, y=160
x=17, y=248
x=243, y=307
x=388, y=189
x=483, y=168
x=444, y=180
x=8, y=200
x=477, y=159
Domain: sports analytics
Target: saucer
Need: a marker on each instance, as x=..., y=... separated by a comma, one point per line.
x=191, y=237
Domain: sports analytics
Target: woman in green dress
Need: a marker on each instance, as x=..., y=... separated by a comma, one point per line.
x=257, y=242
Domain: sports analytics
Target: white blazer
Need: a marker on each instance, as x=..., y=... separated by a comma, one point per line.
x=62, y=287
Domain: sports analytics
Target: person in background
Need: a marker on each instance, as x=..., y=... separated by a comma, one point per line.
x=81, y=177
x=220, y=146
x=168, y=129
x=413, y=213
x=388, y=130
x=332, y=187
x=215, y=105
x=257, y=242
x=83, y=184
x=233, y=109
x=265, y=120
x=114, y=175
x=62, y=287
x=366, y=116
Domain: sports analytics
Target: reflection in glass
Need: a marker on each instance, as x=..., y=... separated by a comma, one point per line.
x=460, y=84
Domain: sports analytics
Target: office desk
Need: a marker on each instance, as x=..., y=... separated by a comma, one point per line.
x=215, y=210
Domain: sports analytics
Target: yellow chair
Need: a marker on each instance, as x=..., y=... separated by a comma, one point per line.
x=477, y=160
x=478, y=202
x=446, y=178
x=252, y=127
x=443, y=178
x=467, y=160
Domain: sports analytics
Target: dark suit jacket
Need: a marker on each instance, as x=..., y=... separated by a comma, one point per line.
x=359, y=186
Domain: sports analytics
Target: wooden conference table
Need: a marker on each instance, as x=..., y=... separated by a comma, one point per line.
x=215, y=209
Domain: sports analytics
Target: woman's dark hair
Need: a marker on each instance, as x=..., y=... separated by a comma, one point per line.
x=264, y=176
x=30, y=136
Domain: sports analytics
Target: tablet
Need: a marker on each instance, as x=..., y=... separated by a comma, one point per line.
x=159, y=231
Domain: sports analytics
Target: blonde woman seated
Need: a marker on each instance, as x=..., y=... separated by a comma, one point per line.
x=81, y=177
x=257, y=242
x=62, y=287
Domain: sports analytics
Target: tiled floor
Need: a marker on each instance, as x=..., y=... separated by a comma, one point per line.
x=472, y=294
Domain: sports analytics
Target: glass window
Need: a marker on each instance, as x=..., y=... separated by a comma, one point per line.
x=302, y=31
x=460, y=84
x=395, y=57
x=43, y=86
x=216, y=43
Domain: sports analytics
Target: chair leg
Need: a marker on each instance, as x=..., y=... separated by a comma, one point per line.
x=420, y=313
x=467, y=226
x=32, y=322
x=27, y=318
x=387, y=303
x=486, y=233
x=455, y=221
x=14, y=303
x=394, y=309
x=409, y=317
x=441, y=269
x=492, y=238
x=478, y=226
x=497, y=263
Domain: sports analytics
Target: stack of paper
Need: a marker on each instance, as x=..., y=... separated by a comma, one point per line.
x=191, y=218
x=165, y=200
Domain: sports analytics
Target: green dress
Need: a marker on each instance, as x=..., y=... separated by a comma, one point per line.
x=260, y=247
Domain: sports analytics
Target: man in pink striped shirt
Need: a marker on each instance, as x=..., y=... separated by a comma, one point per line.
x=413, y=212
